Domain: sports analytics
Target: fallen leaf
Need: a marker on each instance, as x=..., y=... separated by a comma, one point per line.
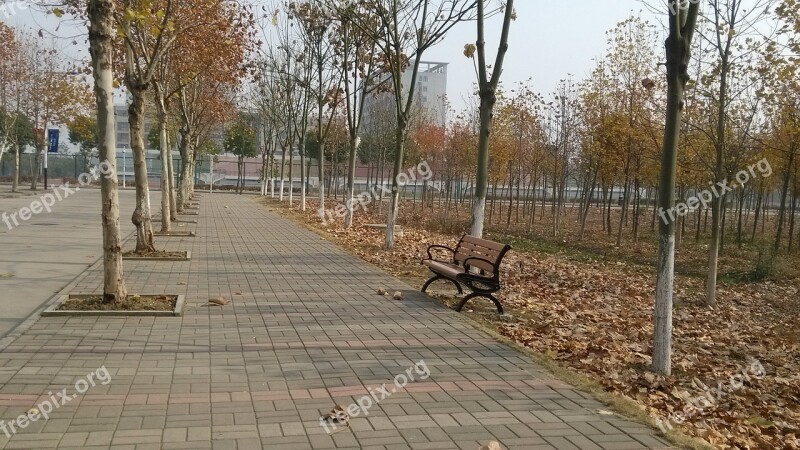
x=219, y=301
x=494, y=445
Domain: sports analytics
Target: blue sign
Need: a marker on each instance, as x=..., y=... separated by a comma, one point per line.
x=52, y=140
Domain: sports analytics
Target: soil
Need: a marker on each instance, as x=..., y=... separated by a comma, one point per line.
x=156, y=254
x=132, y=303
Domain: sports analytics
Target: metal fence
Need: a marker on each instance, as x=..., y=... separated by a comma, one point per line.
x=71, y=166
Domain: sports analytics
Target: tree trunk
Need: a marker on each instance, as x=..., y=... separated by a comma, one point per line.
x=101, y=36
x=186, y=151
x=291, y=176
x=678, y=46
x=719, y=177
x=173, y=208
x=15, y=180
x=355, y=142
x=321, y=176
x=588, y=204
x=792, y=217
x=740, y=220
x=141, y=215
x=304, y=173
x=166, y=218
x=784, y=196
x=283, y=175
x=394, y=207
x=623, y=214
x=37, y=166
x=488, y=101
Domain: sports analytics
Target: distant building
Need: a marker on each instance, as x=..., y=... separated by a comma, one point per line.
x=123, y=127
x=430, y=95
x=431, y=90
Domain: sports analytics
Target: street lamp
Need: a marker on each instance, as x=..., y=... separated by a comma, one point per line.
x=124, y=170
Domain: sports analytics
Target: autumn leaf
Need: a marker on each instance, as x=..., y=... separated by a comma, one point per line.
x=469, y=50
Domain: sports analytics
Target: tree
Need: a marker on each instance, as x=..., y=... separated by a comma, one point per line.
x=732, y=21
x=213, y=42
x=487, y=91
x=325, y=80
x=358, y=53
x=83, y=133
x=405, y=30
x=11, y=98
x=240, y=140
x=781, y=68
x=682, y=23
x=55, y=94
x=146, y=38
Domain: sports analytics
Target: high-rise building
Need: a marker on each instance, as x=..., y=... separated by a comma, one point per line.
x=123, y=127
x=430, y=97
x=431, y=90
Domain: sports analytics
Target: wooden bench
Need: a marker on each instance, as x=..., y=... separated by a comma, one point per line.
x=474, y=263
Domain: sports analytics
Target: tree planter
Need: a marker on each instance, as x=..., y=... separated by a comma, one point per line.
x=174, y=308
x=184, y=221
x=174, y=234
x=167, y=256
x=189, y=213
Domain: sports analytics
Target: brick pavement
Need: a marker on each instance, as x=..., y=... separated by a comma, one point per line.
x=304, y=331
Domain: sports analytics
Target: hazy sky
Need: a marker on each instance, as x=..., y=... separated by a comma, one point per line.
x=549, y=40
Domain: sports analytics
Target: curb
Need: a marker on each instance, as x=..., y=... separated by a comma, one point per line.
x=53, y=311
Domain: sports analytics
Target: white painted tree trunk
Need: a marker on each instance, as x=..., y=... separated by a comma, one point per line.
x=351, y=174
x=173, y=208
x=166, y=218
x=101, y=34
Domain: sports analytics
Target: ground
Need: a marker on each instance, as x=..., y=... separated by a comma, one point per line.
x=588, y=306
x=305, y=331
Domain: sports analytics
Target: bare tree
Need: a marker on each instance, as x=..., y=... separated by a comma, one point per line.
x=405, y=30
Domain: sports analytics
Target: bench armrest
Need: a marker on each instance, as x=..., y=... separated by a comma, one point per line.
x=468, y=267
x=430, y=256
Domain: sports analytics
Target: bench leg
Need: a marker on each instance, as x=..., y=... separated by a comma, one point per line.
x=477, y=294
x=439, y=277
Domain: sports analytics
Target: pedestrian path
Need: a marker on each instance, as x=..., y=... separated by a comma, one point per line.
x=305, y=331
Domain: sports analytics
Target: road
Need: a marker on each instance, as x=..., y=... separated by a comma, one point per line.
x=45, y=253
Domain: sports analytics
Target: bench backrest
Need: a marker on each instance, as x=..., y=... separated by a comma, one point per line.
x=492, y=252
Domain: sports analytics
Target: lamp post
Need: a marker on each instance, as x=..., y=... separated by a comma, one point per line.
x=124, y=170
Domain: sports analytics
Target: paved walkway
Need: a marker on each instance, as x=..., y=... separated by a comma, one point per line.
x=44, y=254
x=305, y=331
